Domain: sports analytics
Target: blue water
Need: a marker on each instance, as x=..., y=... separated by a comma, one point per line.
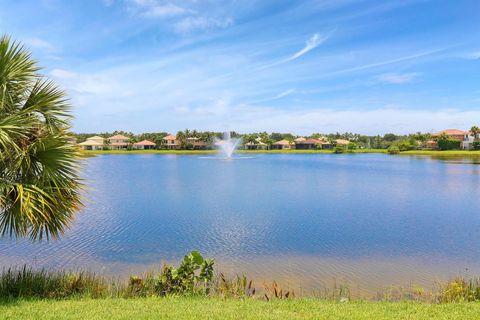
x=308, y=217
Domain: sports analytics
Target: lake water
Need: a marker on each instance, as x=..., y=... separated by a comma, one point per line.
x=307, y=221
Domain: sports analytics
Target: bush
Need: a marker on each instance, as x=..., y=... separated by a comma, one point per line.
x=476, y=145
x=448, y=144
x=352, y=146
x=339, y=148
x=405, y=145
x=193, y=276
x=393, y=150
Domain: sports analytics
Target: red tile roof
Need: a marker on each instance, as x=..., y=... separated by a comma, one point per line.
x=282, y=143
x=170, y=137
x=118, y=137
x=451, y=132
x=144, y=143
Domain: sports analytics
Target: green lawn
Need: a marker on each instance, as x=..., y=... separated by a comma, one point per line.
x=214, y=308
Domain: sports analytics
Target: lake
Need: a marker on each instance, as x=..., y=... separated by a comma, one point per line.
x=307, y=221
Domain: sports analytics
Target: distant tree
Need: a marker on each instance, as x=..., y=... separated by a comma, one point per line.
x=390, y=137
x=475, y=131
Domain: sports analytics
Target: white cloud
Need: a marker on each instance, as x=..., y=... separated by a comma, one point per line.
x=39, y=44
x=191, y=24
x=398, y=78
x=62, y=74
x=155, y=8
x=311, y=44
x=285, y=93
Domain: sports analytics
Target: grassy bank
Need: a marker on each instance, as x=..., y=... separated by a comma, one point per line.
x=214, y=308
x=448, y=153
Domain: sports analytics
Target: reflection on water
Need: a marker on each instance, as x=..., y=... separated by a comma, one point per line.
x=369, y=220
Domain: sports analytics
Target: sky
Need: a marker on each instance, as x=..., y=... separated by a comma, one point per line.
x=369, y=67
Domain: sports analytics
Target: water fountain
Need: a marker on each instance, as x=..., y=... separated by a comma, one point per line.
x=227, y=145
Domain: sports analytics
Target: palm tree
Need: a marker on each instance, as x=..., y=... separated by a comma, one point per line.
x=475, y=131
x=39, y=183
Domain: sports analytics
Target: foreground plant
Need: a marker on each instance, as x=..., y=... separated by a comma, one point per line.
x=39, y=183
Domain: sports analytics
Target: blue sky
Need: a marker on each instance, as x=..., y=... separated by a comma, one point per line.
x=258, y=65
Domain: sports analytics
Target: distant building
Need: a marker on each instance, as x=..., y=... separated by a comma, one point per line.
x=342, y=142
x=144, y=145
x=171, y=142
x=282, y=145
x=465, y=138
x=311, y=144
x=91, y=145
x=118, y=142
x=256, y=144
x=197, y=143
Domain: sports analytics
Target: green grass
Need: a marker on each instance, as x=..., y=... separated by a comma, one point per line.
x=443, y=153
x=215, y=308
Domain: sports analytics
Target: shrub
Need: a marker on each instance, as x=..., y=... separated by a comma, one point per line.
x=193, y=276
x=339, y=148
x=448, y=144
x=476, y=145
x=393, y=150
x=405, y=145
x=352, y=146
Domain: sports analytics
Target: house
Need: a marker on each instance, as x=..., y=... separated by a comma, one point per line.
x=171, y=142
x=300, y=139
x=197, y=143
x=465, y=138
x=91, y=145
x=282, y=145
x=118, y=142
x=97, y=139
x=342, y=142
x=144, y=145
x=310, y=144
x=256, y=144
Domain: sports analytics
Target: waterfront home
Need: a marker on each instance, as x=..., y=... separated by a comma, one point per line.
x=466, y=138
x=144, y=145
x=171, y=142
x=91, y=145
x=118, y=142
x=299, y=139
x=97, y=139
x=310, y=144
x=342, y=142
x=282, y=145
x=197, y=143
x=256, y=144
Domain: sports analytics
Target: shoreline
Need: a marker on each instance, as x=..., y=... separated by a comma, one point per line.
x=447, y=153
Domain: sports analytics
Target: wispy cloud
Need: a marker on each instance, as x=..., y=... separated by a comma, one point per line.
x=39, y=44
x=385, y=63
x=316, y=40
x=311, y=44
x=154, y=8
x=398, y=78
x=473, y=56
x=62, y=74
x=191, y=24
